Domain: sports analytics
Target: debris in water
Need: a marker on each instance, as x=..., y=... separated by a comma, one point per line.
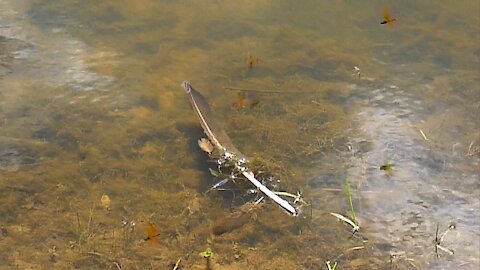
x=423, y=134
x=230, y=157
x=438, y=240
x=331, y=267
x=218, y=184
x=207, y=255
x=472, y=149
x=206, y=145
x=357, y=71
x=298, y=198
x=105, y=200
x=387, y=168
x=177, y=266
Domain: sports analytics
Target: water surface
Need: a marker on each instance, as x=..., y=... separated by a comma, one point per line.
x=91, y=105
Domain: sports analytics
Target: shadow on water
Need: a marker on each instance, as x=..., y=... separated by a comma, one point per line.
x=193, y=132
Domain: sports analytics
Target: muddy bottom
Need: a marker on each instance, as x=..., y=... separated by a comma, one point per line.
x=99, y=160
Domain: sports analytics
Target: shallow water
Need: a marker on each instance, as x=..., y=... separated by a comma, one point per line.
x=91, y=105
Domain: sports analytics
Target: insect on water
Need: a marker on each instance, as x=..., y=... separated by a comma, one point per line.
x=152, y=233
x=387, y=168
x=387, y=18
x=252, y=61
x=243, y=102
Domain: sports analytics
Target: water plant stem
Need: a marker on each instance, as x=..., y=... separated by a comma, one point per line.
x=349, y=196
x=268, y=91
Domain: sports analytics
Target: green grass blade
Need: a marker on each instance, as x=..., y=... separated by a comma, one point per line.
x=347, y=189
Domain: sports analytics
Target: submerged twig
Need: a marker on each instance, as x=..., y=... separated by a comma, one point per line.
x=297, y=198
x=284, y=204
x=331, y=267
x=472, y=150
x=423, y=135
x=267, y=91
x=177, y=264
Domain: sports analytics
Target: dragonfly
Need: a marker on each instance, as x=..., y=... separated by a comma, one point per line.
x=243, y=102
x=387, y=18
x=152, y=233
x=252, y=61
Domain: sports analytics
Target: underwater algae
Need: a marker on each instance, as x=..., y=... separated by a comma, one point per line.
x=59, y=158
x=131, y=164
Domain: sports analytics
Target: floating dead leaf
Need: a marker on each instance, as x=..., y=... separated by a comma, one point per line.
x=205, y=145
x=105, y=200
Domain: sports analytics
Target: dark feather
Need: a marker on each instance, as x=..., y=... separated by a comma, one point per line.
x=216, y=135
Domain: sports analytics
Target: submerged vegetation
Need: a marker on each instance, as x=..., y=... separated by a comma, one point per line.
x=97, y=179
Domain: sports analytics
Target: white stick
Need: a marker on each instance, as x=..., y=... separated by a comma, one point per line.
x=423, y=135
x=284, y=204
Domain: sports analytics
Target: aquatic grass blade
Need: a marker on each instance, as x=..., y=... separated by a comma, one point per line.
x=347, y=189
x=346, y=220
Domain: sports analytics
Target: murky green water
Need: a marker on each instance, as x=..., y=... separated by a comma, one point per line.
x=91, y=105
